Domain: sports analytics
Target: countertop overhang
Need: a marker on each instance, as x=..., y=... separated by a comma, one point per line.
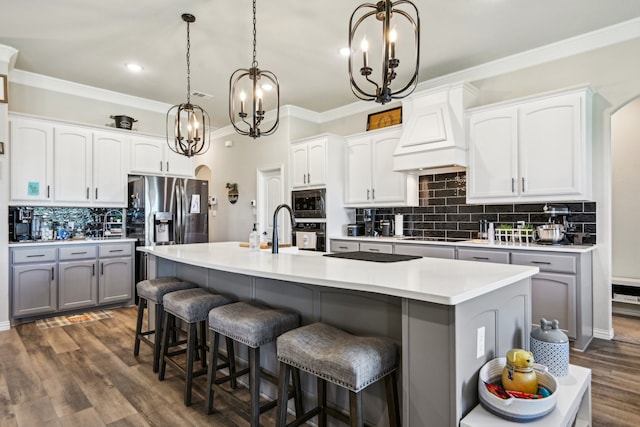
x=441, y=281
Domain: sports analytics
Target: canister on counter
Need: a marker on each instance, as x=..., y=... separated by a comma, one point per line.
x=550, y=347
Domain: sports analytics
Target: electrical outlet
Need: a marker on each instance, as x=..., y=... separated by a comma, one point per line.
x=480, y=342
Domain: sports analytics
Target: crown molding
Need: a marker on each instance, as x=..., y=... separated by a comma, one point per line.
x=8, y=55
x=57, y=85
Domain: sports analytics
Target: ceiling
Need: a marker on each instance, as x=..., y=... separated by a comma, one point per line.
x=298, y=40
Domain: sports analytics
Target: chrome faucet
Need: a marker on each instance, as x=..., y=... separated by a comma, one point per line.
x=274, y=240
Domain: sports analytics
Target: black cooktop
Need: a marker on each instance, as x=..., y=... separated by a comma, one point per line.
x=373, y=256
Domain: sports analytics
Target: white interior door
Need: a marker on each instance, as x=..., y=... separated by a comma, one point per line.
x=271, y=194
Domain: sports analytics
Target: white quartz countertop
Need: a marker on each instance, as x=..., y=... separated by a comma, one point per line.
x=475, y=243
x=70, y=242
x=440, y=281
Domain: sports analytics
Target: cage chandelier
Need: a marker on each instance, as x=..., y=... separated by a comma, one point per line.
x=263, y=89
x=188, y=136
x=390, y=14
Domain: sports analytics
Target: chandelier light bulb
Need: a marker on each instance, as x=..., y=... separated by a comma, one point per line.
x=364, y=45
x=393, y=36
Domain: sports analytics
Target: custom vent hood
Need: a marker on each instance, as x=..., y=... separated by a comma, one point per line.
x=433, y=135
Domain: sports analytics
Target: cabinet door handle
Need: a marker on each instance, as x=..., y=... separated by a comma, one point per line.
x=541, y=262
x=308, y=178
x=88, y=189
x=368, y=194
x=523, y=184
x=93, y=270
x=96, y=193
x=304, y=178
x=48, y=191
x=52, y=273
x=78, y=253
x=484, y=258
x=116, y=250
x=102, y=268
x=167, y=166
x=343, y=247
x=35, y=256
x=161, y=166
x=373, y=194
x=513, y=185
x=374, y=250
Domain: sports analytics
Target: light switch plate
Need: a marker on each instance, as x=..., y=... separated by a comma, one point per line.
x=480, y=342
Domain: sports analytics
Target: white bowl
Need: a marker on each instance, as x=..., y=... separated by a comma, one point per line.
x=516, y=409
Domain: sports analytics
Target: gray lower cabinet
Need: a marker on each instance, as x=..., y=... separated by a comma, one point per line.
x=78, y=278
x=116, y=273
x=65, y=277
x=430, y=251
x=553, y=297
x=34, y=274
x=381, y=248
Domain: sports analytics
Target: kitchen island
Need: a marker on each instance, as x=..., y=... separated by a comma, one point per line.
x=449, y=316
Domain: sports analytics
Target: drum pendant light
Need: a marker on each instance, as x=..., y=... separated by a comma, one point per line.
x=262, y=89
x=402, y=14
x=188, y=136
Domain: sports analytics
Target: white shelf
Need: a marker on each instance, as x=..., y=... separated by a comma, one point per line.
x=625, y=281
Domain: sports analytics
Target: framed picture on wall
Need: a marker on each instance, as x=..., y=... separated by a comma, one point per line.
x=4, y=98
x=385, y=118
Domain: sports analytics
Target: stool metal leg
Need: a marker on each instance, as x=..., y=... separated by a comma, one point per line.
x=254, y=386
x=283, y=391
x=297, y=387
x=393, y=403
x=191, y=350
x=355, y=405
x=211, y=373
x=157, y=338
x=203, y=344
x=169, y=321
x=231, y=359
x=142, y=303
x=322, y=402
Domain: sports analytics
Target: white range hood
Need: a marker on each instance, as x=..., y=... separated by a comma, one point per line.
x=433, y=135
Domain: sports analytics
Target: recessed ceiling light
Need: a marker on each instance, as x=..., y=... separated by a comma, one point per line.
x=345, y=51
x=134, y=68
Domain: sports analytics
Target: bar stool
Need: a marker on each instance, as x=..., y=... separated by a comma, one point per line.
x=253, y=325
x=349, y=361
x=192, y=307
x=152, y=291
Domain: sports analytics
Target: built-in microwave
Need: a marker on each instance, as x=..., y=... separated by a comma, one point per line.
x=308, y=203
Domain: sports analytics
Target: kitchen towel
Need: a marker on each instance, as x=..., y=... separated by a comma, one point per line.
x=399, y=225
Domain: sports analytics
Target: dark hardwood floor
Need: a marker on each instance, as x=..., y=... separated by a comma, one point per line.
x=85, y=375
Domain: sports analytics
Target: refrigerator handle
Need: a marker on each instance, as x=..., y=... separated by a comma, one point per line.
x=179, y=212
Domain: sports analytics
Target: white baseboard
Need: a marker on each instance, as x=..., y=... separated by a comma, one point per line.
x=5, y=326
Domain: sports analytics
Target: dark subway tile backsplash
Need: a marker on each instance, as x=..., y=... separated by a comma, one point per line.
x=443, y=213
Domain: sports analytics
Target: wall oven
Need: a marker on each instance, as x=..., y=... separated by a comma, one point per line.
x=309, y=203
x=309, y=236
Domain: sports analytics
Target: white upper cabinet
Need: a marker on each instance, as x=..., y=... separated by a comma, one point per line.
x=31, y=157
x=67, y=165
x=152, y=156
x=309, y=163
x=110, y=166
x=73, y=159
x=536, y=150
x=370, y=179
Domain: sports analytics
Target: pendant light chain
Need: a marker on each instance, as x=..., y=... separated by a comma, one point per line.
x=254, y=64
x=188, y=65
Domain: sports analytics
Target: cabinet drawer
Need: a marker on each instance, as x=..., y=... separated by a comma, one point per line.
x=34, y=255
x=344, y=246
x=115, y=250
x=382, y=248
x=500, y=257
x=77, y=252
x=448, y=252
x=547, y=262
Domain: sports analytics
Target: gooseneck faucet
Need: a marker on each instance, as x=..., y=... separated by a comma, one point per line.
x=274, y=240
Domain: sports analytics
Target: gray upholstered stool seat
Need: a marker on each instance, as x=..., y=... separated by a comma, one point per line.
x=192, y=307
x=152, y=291
x=349, y=361
x=253, y=325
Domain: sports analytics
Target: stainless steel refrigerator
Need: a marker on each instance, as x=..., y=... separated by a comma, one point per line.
x=166, y=211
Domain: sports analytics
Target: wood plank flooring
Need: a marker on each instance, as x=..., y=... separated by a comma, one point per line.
x=85, y=375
